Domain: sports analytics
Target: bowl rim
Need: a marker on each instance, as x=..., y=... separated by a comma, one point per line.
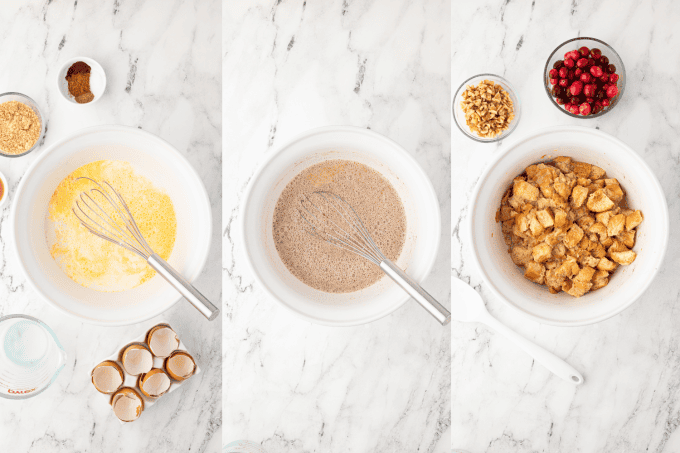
x=415, y=166
x=94, y=64
x=473, y=207
x=89, y=130
x=41, y=117
x=502, y=135
x=618, y=97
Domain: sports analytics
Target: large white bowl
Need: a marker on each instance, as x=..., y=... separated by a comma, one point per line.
x=627, y=284
x=151, y=157
x=371, y=149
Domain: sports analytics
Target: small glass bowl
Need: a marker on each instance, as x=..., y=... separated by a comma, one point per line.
x=7, y=97
x=575, y=44
x=459, y=116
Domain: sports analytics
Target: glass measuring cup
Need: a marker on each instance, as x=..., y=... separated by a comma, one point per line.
x=31, y=356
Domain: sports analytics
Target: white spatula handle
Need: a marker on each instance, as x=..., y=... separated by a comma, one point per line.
x=549, y=360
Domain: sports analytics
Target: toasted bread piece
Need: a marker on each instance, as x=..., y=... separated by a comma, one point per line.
x=624, y=258
x=616, y=225
x=633, y=220
x=599, y=202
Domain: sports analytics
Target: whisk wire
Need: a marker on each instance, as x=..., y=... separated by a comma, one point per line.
x=352, y=235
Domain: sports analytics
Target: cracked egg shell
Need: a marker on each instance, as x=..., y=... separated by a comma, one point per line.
x=180, y=365
x=107, y=377
x=127, y=404
x=136, y=359
x=154, y=383
x=162, y=340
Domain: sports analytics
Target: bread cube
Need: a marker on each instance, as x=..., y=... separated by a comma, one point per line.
x=624, y=258
x=563, y=163
x=614, y=191
x=582, y=169
x=596, y=172
x=599, y=252
x=535, y=272
x=520, y=255
x=606, y=265
x=603, y=217
x=542, y=252
x=525, y=191
x=617, y=246
x=578, y=196
x=633, y=220
x=573, y=237
x=545, y=217
x=599, y=202
x=627, y=237
x=616, y=225
x=535, y=226
x=579, y=288
x=569, y=268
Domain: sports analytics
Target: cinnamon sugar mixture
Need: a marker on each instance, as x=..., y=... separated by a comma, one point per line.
x=324, y=266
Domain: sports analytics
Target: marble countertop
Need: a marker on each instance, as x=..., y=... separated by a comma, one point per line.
x=162, y=62
x=290, y=385
x=501, y=400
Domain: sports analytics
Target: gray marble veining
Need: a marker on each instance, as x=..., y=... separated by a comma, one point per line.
x=501, y=400
x=162, y=60
x=287, y=67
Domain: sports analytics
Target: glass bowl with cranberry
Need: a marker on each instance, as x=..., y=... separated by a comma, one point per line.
x=584, y=77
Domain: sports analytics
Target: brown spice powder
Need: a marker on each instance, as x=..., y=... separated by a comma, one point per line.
x=19, y=127
x=319, y=264
x=78, y=78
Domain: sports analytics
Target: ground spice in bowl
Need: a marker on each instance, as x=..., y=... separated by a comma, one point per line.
x=19, y=127
x=78, y=78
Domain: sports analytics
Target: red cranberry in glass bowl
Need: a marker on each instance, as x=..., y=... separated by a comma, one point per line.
x=588, y=71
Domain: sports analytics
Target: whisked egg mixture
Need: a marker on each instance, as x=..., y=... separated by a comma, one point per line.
x=94, y=262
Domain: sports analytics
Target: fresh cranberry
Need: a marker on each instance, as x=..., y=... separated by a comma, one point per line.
x=574, y=100
x=596, y=109
x=595, y=53
x=611, y=69
x=578, y=72
x=596, y=71
x=563, y=83
x=584, y=109
x=569, y=63
x=589, y=90
x=563, y=72
x=553, y=73
x=612, y=91
x=574, y=109
x=613, y=78
x=586, y=77
x=584, y=51
x=556, y=91
x=605, y=102
x=571, y=75
x=604, y=78
x=574, y=55
x=590, y=62
x=604, y=61
x=553, y=81
x=576, y=88
x=582, y=62
x=560, y=101
x=558, y=64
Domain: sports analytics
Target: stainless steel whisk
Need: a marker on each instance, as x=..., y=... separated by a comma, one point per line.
x=118, y=226
x=332, y=219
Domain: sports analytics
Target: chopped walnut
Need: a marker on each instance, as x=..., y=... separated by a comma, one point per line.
x=568, y=225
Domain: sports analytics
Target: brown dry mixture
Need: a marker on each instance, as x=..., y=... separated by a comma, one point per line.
x=488, y=109
x=19, y=127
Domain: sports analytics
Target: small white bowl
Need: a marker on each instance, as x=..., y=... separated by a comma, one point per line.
x=628, y=283
x=421, y=207
x=97, y=80
x=5, y=191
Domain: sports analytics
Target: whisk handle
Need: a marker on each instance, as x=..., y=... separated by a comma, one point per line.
x=416, y=291
x=185, y=288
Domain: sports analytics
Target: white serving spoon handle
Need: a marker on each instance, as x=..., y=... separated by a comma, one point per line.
x=549, y=360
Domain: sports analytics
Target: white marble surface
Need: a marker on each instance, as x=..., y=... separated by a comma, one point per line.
x=290, y=66
x=630, y=401
x=163, y=66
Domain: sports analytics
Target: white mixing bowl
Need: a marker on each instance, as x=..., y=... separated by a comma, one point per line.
x=151, y=157
x=371, y=149
x=628, y=282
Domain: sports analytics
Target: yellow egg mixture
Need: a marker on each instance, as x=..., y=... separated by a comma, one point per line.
x=94, y=262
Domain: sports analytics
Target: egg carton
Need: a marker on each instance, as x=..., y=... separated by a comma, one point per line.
x=131, y=381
